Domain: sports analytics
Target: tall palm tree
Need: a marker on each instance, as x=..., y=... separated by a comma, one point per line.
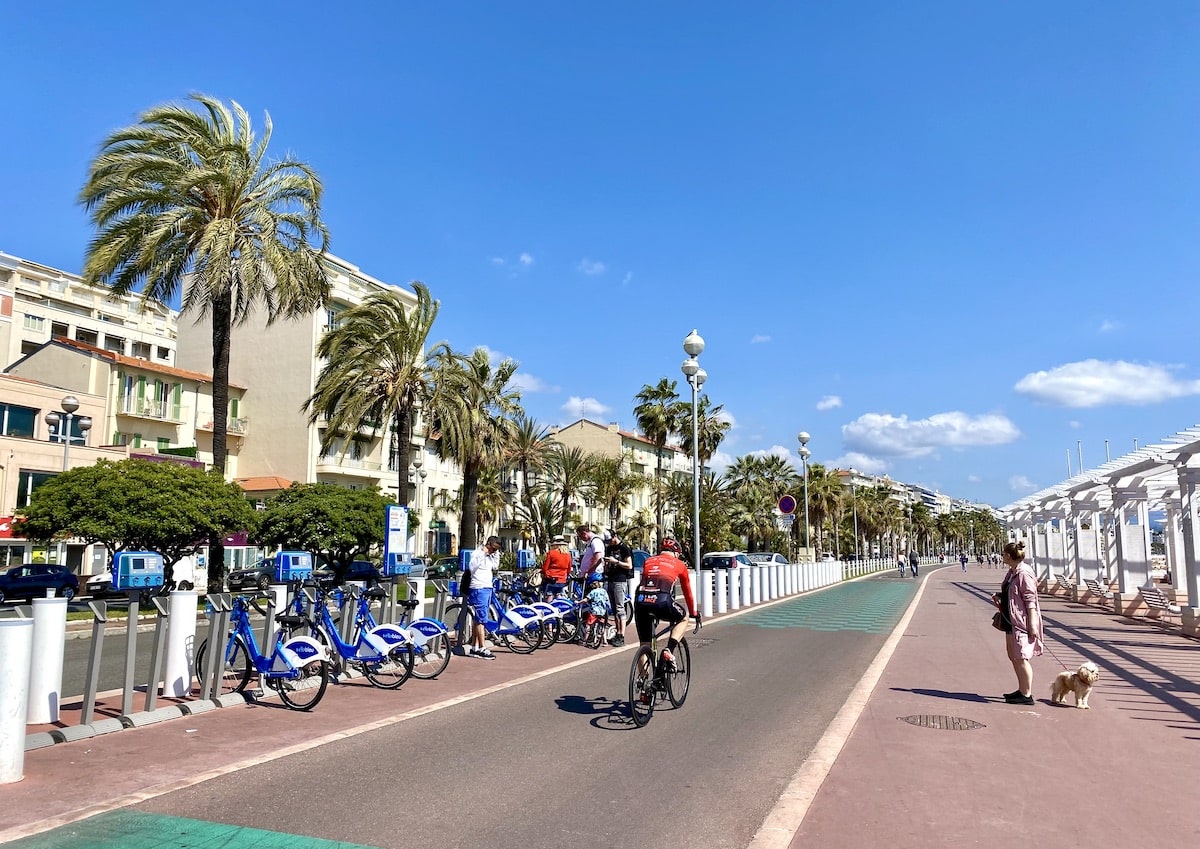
x=471, y=414
x=613, y=486
x=655, y=414
x=376, y=370
x=188, y=195
x=824, y=497
x=570, y=474
x=529, y=451
x=710, y=427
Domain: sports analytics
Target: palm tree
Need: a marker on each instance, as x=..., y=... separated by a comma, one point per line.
x=470, y=415
x=612, y=486
x=529, y=451
x=655, y=414
x=824, y=497
x=710, y=427
x=570, y=474
x=376, y=370
x=189, y=195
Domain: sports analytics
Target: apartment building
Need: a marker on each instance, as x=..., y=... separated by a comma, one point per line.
x=38, y=303
x=641, y=457
x=278, y=367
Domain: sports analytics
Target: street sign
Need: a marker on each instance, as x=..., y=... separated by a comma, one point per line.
x=784, y=522
x=787, y=505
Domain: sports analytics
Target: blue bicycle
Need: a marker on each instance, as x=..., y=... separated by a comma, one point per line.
x=298, y=668
x=381, y=652
x=519, y=628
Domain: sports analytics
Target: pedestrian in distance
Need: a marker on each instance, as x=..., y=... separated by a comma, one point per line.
x=618, y=569
x=1022, y=617
x=914, y=561
x=962, y=558
x=556, y=567
x=483, y=565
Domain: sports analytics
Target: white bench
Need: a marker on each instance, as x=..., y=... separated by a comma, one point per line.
x=1098, y=590
x=1156, y=599
x=1063, y=583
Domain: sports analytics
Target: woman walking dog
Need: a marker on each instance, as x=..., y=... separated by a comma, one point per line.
x=1022, y=615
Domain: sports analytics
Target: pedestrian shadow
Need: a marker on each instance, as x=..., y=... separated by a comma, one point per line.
x=606, y=713
x=945, y=694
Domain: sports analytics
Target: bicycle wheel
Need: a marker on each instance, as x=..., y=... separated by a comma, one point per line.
x=460, y=621
x=234, y=675
x=525, y=640
x=641, y=686
x=550, y=631
x=304, y=692
x=628, y=611
x=568, y=628
x=430, y=660
x=392, y=671
x=679, y=681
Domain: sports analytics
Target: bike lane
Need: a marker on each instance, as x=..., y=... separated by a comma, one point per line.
x=731, y=684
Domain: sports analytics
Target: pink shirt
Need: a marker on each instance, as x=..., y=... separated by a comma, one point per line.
x=1023, y=602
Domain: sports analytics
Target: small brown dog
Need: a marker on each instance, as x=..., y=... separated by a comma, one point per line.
x=1078, y=682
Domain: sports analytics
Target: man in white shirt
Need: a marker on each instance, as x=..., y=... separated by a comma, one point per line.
x=591, y=557
x=483, y=565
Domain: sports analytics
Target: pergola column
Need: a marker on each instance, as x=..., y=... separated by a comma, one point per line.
x=1131, y=524
x=1189, y=522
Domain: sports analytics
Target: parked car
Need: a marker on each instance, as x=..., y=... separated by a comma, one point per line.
x=31, y=580
x=99, y=586
x=259, y=576
x=358, y=570
x=771, y=558
x=442, y=567
x=723, y=560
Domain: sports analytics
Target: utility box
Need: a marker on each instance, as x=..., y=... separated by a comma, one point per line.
x=397, y=563
x=293, y=566
x=137, y=570
x=525, y=559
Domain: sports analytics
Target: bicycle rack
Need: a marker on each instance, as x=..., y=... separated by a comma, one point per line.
x=441, y=591
x=222, y=606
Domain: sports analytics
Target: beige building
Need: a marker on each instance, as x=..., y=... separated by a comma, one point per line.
x=641, y=458
x=278, y=366
x=38, y=303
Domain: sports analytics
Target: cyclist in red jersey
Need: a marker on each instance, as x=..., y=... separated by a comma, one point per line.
x=655, y=598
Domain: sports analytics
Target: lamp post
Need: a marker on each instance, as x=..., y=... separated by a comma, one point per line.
x=693, y=346
x=804, y=453
x=62, y=423
x=854, y=506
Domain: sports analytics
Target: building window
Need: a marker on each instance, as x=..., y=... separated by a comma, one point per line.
x=141, y=350
x=120, y=438
x=88, y=337
x=27, y=483
x=114, y=343
x=17, y=421
x=163, y=443
x=35, y=322
x=164, y=353
x=28, y=347
x=77, y=436
x=57, y=328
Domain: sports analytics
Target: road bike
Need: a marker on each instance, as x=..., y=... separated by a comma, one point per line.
x=650, y=681
x=298, y=668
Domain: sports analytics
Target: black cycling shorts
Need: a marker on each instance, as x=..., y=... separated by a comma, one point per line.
x=649, y=610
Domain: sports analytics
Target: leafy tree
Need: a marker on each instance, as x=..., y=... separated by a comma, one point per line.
x=376, y=370
x=655, y=414
x=189, y=195
x=324, y=519
x=471, y=411
x=138, y=505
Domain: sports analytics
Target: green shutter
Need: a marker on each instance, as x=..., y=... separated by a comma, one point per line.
x=233, y=408
x=176, y=401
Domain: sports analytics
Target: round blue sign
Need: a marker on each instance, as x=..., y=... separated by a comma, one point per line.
x=787, y=504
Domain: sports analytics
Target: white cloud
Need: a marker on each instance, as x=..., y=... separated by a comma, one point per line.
x=1096, y=383
x=776, y=451
x=726, y=416
x=497, y=260
x=974, y=479
x=829, y=402
x=592, y=268
x=1020, y=483
x=627, y=279
x=526, y=259
x=1074, y=424
x=898, y=436
x=525, y=383
x=759, y=338
x=719, y=462
x=860, y=463
x=1108, y=325
x=584, y=408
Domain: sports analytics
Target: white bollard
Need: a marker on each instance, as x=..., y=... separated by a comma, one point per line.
x=181, y=643
x=706, y=592
x=723, y=590
x=16, y=646
x=735, y=595
x=416, y=586
x=773, y=582
x=792, y=578
x=755, y=585
x=46, y=659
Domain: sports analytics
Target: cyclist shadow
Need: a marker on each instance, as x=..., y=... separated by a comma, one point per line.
x=609, y=714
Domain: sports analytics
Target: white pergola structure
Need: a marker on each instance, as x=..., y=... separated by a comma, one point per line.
x=1096, y=525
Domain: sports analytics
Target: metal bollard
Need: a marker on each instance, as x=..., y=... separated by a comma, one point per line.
x=46, y=661
x=16, y=648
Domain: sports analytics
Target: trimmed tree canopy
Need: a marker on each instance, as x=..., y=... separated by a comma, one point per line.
x=324, y=519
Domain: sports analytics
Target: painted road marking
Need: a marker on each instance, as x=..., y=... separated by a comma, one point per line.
x=133, y=830
x=872, y=606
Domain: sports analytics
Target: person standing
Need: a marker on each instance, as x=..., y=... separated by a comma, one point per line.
x=618, y=569
x=591, y=555
x=482, y=567
x=913, y=561
x=556, y=567
x=962, y=558
x=1018, y=602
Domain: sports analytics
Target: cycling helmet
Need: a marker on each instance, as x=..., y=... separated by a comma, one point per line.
x=671, y=546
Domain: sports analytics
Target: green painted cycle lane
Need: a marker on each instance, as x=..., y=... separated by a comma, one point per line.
x=132, y=830
x=873, y=606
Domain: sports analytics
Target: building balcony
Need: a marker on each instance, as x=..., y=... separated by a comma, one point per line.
x=233, y=427
x=351, y=466
x=146, y=409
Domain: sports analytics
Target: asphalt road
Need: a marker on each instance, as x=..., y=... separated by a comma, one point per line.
x=554, y=761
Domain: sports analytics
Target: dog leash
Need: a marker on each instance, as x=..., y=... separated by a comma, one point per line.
x=1046, y=646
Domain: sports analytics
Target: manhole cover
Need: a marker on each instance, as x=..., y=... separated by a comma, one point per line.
x=942, y=723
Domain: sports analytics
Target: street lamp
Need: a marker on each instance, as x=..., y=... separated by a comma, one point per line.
x=804, y=453
x=693, y=346
x=62, y=423
x=417, y=462
x=854, y=505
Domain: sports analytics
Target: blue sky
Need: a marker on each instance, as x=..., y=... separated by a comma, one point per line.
x=953, y=242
